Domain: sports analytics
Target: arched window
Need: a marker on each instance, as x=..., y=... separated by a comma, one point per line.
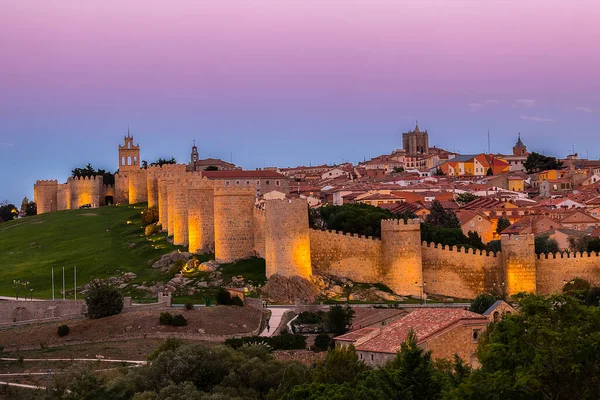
x=134, y=160
x=122, y=160
x=129, y=160
x=496, y=316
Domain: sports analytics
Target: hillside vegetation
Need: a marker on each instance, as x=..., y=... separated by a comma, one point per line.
x=101, y=242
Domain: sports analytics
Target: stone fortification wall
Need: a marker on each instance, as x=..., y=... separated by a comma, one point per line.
x=519, y=260
x=401, y=257
x=64, y=196
x=234, y=234
x=108, y=190
x=16, y=311
x=154, y=173
x=121, y=188
x=170, y=221
x=259, y=232
x=201, y=220
x=86, y=190
x=163, y=201
x=353, y=256
x=554, y=269
x=287, y=238
x=180, y=211
x=460, y=272
x=138, y=186
x=44, y=195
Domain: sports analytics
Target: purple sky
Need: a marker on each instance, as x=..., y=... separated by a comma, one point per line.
x=289, y=82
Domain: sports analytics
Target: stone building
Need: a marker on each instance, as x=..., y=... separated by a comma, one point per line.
x=198, y=164
x=415, y=142
x=262, y=181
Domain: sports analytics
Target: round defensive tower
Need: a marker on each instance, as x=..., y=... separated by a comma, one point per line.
x=201, y=220
x=180, y=212
x=138, y=186
x=233, y=216
x=45, y=195
x=163, y=204
x=171, y=207
x=402, y=260
x=287, y=238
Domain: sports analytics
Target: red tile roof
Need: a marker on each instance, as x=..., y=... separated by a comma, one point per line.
x=241, y=174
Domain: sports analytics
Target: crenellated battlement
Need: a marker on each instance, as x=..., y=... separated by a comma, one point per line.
x=461, y=249
x=400, y=225
x=224, y=188
x=85, y=178
x=167, y=168
x=46, y=182
x=567, y=254
x=347, y=235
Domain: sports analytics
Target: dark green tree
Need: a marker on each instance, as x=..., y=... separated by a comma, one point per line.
x=475, y=240
x=103, y=299
x=545, y=245
x=108, y=178
x=502, y=224
x=440, y=217
x=465, y=198
x=341, y=365
x=489, y=172
x=163, y=161
x=8, y=211
x=482, y=302
x=362, y=219
x=211, y=168
x=537, y=162
x=398, y=170
x=340, y=318
x=494, y=246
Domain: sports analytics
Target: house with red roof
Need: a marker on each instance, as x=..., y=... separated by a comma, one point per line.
x=443, y=331
x=263, y=180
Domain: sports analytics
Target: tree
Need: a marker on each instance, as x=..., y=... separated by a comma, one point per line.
x=465, y=198
x=502, y=224
x=482, y=302
x=31, y=209
x=545, y=245
x=103, y=299
x=8, y=211
x=438, y=216
x=494, y=246
x=362, y=219
x=340, y=318
x=489, y=172
x=341, y=365
x=439, y=172
x=475, y=240
x=549, y=350
x=108, y=178
x=144, y=164
x=398, y=170
x=24, y=203
x=211, y=168
x=537, y=162
x=163, y=161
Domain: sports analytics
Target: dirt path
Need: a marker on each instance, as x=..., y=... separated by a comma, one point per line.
x=274, y=321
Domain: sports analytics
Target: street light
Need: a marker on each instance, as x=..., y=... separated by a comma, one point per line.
x=17, y=282
x=422, y=288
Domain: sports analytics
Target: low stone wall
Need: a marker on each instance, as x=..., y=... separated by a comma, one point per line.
x=16, y=311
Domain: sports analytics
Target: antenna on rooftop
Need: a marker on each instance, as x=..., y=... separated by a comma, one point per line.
x=488, y=141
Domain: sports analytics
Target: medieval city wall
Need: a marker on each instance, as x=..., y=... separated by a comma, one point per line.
x=259, y=232
x=180, y=212
x=356, y=257
x=154, y=173
x=108, y=191
x=460, y=272
x=138, y=186
x=86, y=190
x=519, y=263
x=402, y=266
x=234, y=232
x=44, y=195
x=287, y=238
x=553, y=270
x=121, y=188
x=201, y=220
x=63, y=197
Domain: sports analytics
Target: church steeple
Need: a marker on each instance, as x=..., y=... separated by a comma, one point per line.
x=194, y=156
x=519, y=148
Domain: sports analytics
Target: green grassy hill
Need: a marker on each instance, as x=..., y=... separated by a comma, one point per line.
x=101, y=242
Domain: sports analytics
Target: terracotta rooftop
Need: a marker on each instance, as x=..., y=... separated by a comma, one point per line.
x=241, y=174
x=425, y=322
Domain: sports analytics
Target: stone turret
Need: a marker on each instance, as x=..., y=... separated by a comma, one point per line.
x=45, y=195
x=287, y=238
x=180, y=211
x=518, y=253
x=234, y=236
x=201, y=219
x=401, y=258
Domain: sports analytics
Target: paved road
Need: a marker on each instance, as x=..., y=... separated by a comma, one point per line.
x=275, y=320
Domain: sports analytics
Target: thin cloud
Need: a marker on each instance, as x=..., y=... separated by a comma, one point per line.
x=584, y=109
x=6, y=144
x=473, y=107
x=536, y=119
x=527, y=103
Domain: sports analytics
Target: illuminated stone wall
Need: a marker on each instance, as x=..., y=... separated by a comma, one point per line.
x=45, y=195
x=121, y=188
x=64, y=196
x=86, y=190
x=155, y=173
x=234, y=235
x=170, y=228
x=201, y=220
x=259, y=232
x=138, y=186
x=401, y=256
x=460, y=272
x=287, y=238
x=180, y=214
x=163, y=203
x=352, y=256
x=554, y=270
x=518, y=255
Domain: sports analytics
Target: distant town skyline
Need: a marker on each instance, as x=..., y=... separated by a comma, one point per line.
x=274, y=84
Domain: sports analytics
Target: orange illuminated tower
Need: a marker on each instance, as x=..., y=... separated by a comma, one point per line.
x=129, y=155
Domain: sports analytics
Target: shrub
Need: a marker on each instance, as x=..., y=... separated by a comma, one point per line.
x=592, y=296
x=165, y=318
x=178, y=320
x=225, y=298
x=103, y=299
x=576, y=287
x=308, y=317
x=323, y=342
x=151, y=230
x=236, y=301
x=150, y=215
x=280, y=342
x=168, y=345
x=63, y=330
x=189, y=306
x=482, y=302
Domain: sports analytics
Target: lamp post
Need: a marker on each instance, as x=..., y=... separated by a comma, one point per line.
x=31, y=290
x=500, y=287
x=422, y=288
x=17, y=282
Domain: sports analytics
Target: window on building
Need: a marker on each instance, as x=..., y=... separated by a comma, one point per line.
x=277, y=183
x=496, y=316
x=237, y=182
x=247, y=182
x=472, y=224
x=476, y=333
x=372, y=357
x=257, y=183
x=267, y=182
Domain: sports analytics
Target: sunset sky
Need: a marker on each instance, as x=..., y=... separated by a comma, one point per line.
x=285, y=83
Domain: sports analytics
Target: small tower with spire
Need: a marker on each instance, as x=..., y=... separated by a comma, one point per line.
x=129, y=154
x=415, y=142
x=194, y=156
x=519, y=149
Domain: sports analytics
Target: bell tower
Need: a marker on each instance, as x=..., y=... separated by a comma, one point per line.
x=194, y=156
x=519, y=148
x=129, y=154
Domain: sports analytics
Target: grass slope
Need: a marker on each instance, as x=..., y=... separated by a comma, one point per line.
x=97, y=241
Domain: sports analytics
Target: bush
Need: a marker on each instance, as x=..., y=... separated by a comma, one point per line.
x=308, y=317
x=63, y=330
x=482, y=302
x=592, y=297
x=339, y=318
x=103, y=299
x=169, y=344
x=224, y=298
x=576, y=287
x=178, y=320
x=150, y=215
x=165, y=318
x=151, y=230
x=281, y=342
x=236, y=301
x=189, y=306
x=323, y=342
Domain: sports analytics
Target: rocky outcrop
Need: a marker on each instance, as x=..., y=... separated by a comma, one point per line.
x=169, y=259
x=280, y=289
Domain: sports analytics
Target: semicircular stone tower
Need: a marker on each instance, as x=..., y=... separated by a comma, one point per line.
x=234, y=214
x=201, y=219
x=287, y=238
